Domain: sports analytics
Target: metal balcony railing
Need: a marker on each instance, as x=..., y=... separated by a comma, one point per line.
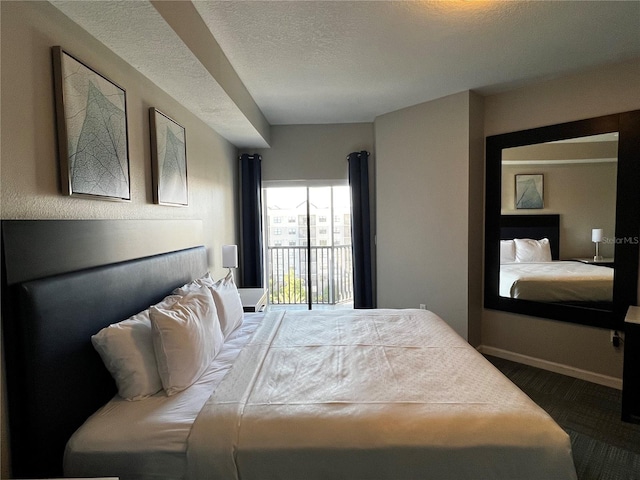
x=331, y=275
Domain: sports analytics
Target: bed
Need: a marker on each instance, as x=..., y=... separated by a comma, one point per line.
x=363, y=394
x=538, y=274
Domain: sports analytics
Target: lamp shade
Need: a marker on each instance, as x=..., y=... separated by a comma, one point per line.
x=230, y=256
x=596, y=235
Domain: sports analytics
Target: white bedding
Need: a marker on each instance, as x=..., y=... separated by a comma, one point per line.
x=370, y=394
x=559, y=281
x=147, y=439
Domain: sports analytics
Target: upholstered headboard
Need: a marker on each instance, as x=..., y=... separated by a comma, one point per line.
x=55, y=379
x=533, y=226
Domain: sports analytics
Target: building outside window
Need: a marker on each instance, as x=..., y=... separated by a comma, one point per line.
x=316, y=256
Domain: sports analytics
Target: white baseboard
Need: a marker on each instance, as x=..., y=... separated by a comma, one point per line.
x=598, y=378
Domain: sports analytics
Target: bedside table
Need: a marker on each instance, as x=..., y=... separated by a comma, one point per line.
x=630, y=380
x=253, y=299
x=605, y=262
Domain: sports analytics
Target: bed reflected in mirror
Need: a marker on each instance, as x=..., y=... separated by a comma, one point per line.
x=554, y=194
x=550, y=193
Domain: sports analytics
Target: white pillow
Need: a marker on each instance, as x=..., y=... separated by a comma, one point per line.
x=229, y=304
x=529, y=250
x=205, y=280
x=126, y=348
x=186, y=339
x=507, y=251
x=227, y=299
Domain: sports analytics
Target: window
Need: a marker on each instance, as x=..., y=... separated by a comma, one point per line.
x=306, y=252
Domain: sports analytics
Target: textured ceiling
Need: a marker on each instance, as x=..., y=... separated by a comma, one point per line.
x=307, y=62
x=136, y=32
x=317, y=62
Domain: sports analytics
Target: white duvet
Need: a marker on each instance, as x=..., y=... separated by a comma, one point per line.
x=560, y=281
x=370, y=394
x=147, y=439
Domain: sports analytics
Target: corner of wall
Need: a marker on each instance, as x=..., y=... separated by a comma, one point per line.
x=476, y=216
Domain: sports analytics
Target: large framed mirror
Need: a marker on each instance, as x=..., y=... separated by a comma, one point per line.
x=562, y=220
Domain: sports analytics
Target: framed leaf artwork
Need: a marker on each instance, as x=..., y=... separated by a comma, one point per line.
x=529, y=191
x=169, y=160
x=91, y=117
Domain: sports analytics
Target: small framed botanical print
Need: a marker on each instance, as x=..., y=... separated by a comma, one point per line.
x=529, y=191
x=169, y=160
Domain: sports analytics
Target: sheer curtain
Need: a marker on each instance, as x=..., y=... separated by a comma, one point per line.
x=361, y=229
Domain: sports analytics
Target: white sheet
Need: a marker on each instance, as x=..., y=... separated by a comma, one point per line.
x=148, y=439
x=371, y=394
x=560, y=281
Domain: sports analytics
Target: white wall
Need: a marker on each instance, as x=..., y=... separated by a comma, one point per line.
x=423, y=183
x=29, y=181
x=598, y=92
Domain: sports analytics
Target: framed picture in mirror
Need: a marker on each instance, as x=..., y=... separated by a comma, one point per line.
x=529, y=191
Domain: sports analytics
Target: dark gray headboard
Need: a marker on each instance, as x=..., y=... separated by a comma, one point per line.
x=55, y=379
x=533, y=226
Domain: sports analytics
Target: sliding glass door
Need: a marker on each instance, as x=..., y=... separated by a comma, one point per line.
x=308, y=232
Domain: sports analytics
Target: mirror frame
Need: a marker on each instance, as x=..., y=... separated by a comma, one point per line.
x=627, y=226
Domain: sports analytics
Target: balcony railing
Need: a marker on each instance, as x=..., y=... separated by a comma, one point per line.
x=331, y=275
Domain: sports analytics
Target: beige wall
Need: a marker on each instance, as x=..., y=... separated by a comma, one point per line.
x=476, y=216
x=28, y=149
x=597, y=92
x=583, y=194
x=423, y=165
x=602, y=91
x=29, y=159
x=313, y=152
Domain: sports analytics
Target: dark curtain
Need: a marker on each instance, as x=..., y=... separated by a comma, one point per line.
x=251, y=224
x=361, y=229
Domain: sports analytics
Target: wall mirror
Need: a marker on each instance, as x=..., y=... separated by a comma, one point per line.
x=554, y=195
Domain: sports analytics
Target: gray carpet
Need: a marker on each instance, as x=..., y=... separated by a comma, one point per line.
x=604, y=447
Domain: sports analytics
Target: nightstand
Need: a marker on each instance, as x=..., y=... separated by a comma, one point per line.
x=605, y=262
x=630, y=379
x=253, y=299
